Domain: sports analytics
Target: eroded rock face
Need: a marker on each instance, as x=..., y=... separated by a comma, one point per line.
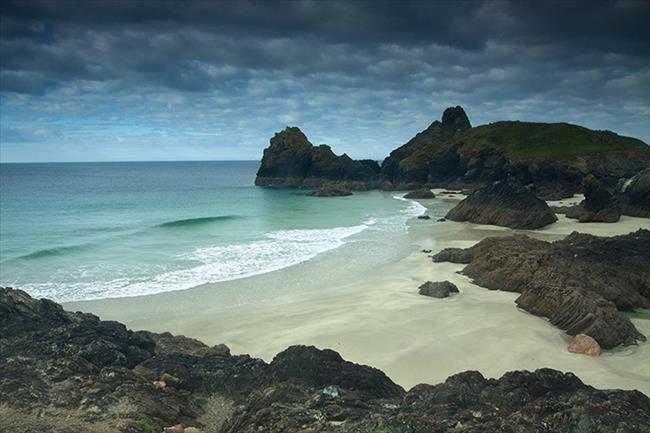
x=633, y=195
x=52, y=379
x=438, y=289
x=598, y=205
x=503, y=204
x=398, y=174
x=581, y=283
x=292, y=161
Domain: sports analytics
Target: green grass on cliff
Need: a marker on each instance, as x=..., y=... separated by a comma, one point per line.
x=527, y=140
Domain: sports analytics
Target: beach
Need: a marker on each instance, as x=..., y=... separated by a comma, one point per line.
x=371, y=313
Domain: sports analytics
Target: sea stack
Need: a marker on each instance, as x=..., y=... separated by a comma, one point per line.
x=291, y=160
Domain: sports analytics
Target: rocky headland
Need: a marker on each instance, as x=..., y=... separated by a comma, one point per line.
x=552, y=159
x=583, y=283
x=69, y=372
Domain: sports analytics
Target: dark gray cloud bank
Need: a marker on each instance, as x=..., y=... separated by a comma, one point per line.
x=169, y=80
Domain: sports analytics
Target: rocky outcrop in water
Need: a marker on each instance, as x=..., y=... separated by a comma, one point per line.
x=598, y=205
x=329, y=191
x=70, y=372
x=503, y=204
x=581, y=283
x=292, y=161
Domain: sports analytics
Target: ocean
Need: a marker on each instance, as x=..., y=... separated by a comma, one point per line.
x=82, y=231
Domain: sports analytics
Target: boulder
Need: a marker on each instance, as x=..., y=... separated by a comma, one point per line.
x=503, y=204
x=439, y=289
x=319, y=368
x=584, y=345
x=423, y=193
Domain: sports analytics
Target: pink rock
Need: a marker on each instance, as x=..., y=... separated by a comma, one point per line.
x=585, y=345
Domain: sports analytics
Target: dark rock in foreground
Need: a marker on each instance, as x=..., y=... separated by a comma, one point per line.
x=292, y=161
x=423, y=193
x=439, y=289
x=503, y=204
x=598, y=205
x=581, y=283
x=329, y=191
x=71, y=372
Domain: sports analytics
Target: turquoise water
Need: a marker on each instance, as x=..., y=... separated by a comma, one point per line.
x=77, y=231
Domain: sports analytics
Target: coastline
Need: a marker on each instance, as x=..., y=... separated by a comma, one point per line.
x=378, y=318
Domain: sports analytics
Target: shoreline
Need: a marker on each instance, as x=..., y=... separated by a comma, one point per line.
x=379, y=319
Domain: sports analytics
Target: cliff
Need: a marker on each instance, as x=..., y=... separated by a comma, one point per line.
x=550, y=158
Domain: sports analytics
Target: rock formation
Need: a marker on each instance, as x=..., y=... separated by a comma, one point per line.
x=329, y=191
x=598, y=205
x=633, y=195
x=71, y=372
x=581, y=283
x=398, y=171
x=551, y=158
x=503, y=204
x=439, y=289
x=292, y=161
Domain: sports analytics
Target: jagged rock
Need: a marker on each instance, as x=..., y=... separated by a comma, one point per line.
x=423, y=193
x=598, y=205
x=580, y=283
x=503, y=204
x=329, y=191
x=439, y=289
x=397, y=171
x=633, y=195
x=292, y=161
x=584, y=345
x=50, y=382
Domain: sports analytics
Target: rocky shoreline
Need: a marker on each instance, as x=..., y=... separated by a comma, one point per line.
x=69, y=372
x=582, y=283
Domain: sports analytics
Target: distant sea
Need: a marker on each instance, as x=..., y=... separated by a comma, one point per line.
x=79, y=231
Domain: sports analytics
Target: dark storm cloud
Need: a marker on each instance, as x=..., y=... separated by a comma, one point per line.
x=583, y=61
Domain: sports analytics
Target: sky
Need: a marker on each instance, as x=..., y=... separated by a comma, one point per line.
x=192, y=80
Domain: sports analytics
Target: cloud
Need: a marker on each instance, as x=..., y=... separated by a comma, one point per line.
x=216, y=79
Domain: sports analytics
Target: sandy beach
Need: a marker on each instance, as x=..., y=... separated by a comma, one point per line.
x=376, y=316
